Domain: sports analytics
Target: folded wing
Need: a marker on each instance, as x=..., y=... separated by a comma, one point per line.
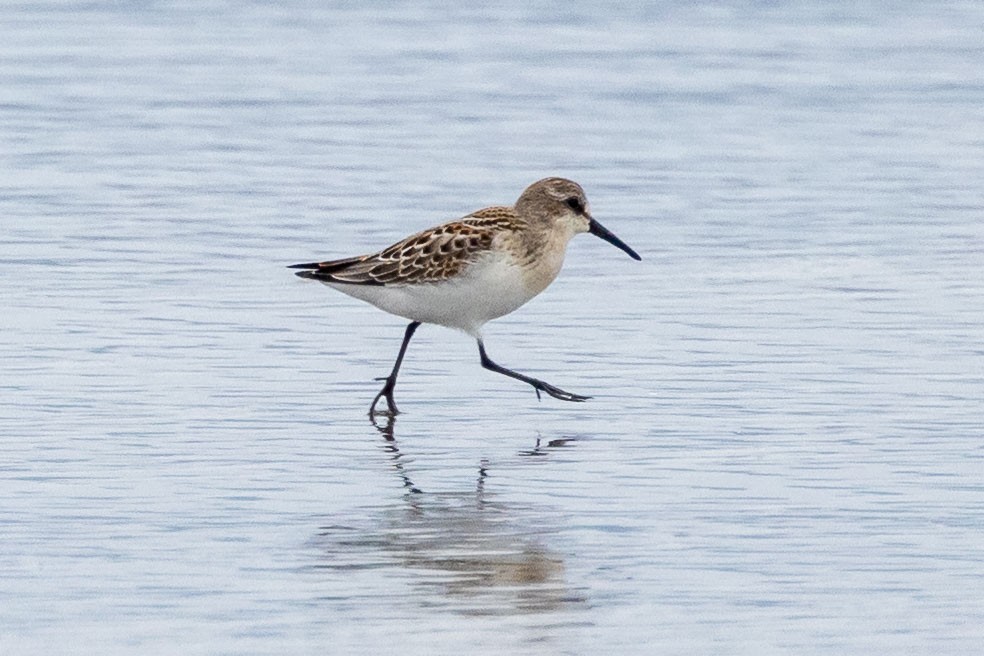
x=429, y=256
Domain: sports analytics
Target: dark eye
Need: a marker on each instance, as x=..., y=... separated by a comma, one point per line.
x=575, y=204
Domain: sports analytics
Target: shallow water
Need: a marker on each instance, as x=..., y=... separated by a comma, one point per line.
x=783, y=452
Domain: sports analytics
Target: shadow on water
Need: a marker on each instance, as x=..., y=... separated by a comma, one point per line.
x=464, y=550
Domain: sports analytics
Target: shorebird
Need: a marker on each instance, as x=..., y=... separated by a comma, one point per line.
x=467, y=272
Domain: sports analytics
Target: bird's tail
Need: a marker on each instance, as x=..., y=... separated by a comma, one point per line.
x=336, y=270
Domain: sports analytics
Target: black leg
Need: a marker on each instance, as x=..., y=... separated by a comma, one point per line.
x=387, y=390
x=538, y=385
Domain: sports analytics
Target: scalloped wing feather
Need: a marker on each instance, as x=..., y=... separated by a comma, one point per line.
x=430, y=256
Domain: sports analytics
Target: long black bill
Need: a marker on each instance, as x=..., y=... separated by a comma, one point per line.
x=599, y=230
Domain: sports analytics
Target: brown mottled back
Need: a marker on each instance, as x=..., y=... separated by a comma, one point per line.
x=429, y=256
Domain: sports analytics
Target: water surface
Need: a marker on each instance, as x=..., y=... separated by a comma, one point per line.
x=783, y=452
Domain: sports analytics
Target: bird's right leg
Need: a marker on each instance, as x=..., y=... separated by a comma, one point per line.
x=390, y=384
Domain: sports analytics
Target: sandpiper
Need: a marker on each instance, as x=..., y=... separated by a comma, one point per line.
x=467, y=272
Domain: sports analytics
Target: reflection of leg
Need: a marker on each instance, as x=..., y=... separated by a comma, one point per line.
x=483, y=473
x=390, y=384
x=538, y=385
x=387, y=432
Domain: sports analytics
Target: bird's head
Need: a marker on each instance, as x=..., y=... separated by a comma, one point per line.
x=561, y=203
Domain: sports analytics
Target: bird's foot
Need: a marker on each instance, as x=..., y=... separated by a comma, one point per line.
x=387, y=393
x=556, y=392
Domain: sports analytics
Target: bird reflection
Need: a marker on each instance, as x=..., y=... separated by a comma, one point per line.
x=541, y=450
x=466, y=551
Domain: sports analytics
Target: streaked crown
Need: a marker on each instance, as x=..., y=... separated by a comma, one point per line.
x=552, y=197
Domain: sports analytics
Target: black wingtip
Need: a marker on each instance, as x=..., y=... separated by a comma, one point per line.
x=309, y=265
x=322, y=276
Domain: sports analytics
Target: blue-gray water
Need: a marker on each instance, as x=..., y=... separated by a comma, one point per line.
x=784, y=449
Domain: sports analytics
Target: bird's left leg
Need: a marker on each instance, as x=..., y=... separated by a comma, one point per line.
x=538, y=385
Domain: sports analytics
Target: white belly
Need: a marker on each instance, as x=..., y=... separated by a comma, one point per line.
x=486, y=290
